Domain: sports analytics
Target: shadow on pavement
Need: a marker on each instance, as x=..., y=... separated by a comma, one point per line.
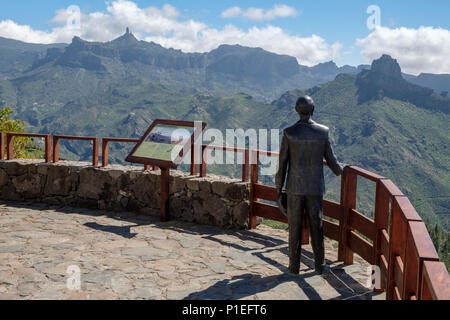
x=240, y=286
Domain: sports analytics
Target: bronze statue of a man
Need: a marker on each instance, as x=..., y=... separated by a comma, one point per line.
x=303, y=148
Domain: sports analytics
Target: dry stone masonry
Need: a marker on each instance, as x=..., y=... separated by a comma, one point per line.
x=212, y=200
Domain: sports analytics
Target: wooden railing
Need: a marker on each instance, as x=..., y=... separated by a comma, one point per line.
x=105, y=149
x=53, y=156
x=396, y=239
x=94, y=141
x=9, y=137
x=245, y=165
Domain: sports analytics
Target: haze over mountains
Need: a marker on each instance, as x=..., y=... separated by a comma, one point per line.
x=380, y=119
x=229, y=69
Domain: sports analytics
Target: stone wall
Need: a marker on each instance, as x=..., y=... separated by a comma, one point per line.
x=213, y=200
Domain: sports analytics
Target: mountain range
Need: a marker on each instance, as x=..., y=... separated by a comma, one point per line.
x=227, y=70
x=380, y=119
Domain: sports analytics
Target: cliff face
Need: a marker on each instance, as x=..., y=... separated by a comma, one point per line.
x=387, y=67
x=385, y=80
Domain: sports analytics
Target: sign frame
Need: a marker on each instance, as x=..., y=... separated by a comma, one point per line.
x=158, y=162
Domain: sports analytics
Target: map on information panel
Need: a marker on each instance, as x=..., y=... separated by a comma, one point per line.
x=163, y=142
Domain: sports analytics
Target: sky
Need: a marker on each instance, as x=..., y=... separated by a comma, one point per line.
x=352, y=32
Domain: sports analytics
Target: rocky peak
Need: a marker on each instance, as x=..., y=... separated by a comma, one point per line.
x=385, y=80
x=127, y=39
x=325, y=67
x=77, y=44
x=387, y=66
x=77, y=41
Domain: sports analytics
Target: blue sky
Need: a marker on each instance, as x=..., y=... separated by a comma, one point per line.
x=332, y=26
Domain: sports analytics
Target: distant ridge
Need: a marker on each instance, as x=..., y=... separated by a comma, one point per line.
x=225, y=70
x=12, y=44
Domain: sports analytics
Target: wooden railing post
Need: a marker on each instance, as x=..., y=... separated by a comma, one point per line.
x=193, y=159
x=2, y=145
x=245, y=166
x=9, y=146
x=381, y=222
x=348, y=202
x=203, y=164
x=253, y=181
x=48, y=151
x=165, y=191
x=95, y=152
x=55, y=149
x=105, y=152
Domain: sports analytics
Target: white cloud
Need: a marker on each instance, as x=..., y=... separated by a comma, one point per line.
x=164, y=26
x=308, y=50
x=231, y=12
x=258, y=14
x=10, y=29
x=425, y=49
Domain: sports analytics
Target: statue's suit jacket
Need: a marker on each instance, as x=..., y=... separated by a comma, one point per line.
x=303, y=148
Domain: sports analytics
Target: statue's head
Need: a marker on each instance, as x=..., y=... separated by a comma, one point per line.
x=305, y=106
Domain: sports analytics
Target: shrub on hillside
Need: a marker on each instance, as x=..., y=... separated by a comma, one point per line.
x=14, y=125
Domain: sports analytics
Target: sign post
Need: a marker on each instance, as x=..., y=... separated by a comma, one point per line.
x=165, y=192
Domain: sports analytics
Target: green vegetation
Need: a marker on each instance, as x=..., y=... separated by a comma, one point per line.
x=441, y=240
x=9, y=125
x=275, y=224
x=23, y=146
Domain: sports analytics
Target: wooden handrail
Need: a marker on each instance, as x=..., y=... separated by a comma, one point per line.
x=10, y=143
x=105, y=149
x=94, y=140
x=434, y=282
x=364, y=173
x=245, y=165
x=419, y=248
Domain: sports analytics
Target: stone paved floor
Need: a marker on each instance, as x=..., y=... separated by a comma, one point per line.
x=123, y=256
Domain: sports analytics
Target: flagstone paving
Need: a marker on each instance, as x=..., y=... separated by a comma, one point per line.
x=124, y=256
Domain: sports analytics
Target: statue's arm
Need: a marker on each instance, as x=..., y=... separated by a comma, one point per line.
x=282, y=163
x=330, y=157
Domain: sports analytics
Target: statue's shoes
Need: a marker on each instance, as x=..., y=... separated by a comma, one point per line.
x=324, y=270
x=294, y=270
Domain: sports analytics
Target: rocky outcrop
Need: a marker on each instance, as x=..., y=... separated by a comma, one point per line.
x=212, y=200
x=385, y=79
x=387, y=66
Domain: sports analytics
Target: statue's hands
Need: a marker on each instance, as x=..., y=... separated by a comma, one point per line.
x=279, y=197
x=281, y=202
